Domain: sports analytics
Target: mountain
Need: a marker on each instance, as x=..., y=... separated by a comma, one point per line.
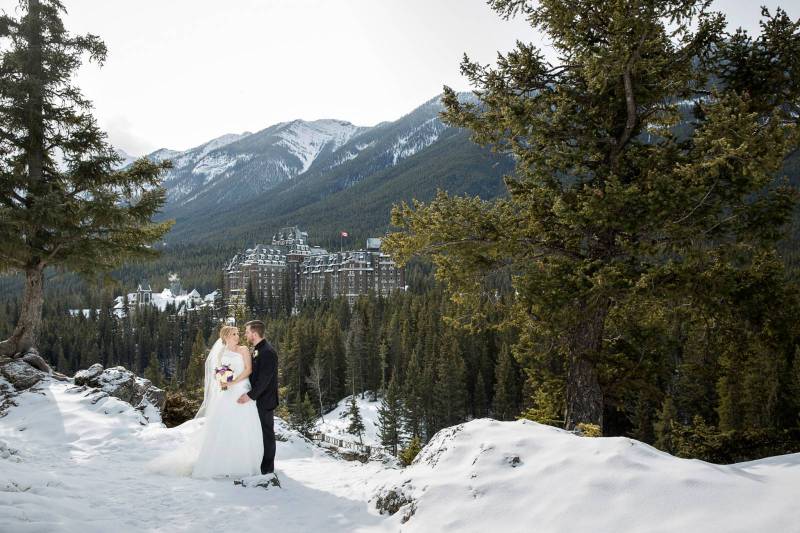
x=127, y=159
x=322, y=175
x=249, y=163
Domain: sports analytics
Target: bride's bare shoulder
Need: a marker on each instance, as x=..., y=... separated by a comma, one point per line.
x=243, y=350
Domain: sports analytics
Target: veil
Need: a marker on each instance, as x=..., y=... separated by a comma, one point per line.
x=211, y=390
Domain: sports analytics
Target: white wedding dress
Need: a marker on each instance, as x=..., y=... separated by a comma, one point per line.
x=230, y=442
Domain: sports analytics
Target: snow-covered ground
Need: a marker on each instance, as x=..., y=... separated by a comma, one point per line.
x=69, y=465
x=336, y=422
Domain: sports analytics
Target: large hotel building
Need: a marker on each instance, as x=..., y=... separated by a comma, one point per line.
x=310, y=272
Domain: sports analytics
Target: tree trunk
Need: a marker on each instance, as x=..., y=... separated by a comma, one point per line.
x=26, y=334
x=584, y=394
x=27, y=331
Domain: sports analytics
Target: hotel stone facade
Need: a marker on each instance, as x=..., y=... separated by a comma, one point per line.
x=291, y=268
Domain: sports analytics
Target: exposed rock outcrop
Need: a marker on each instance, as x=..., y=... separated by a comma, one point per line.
x=21, y=374
x=121, y=383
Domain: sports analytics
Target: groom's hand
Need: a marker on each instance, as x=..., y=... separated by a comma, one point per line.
x=244, y=398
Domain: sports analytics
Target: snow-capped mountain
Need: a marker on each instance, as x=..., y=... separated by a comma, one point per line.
x=237, y=165
x=242, y=165
x=127, y=158
x=324, y=173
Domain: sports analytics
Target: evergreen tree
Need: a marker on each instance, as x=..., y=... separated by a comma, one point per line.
x=390, y=417
x=356, y=426
x=383, y=360
x=619, y=192
x=61, y=363
x=413, y=398
x=356, y=355
x=195, y=371
x=303, y=416
x=84, y=215
x=451, y=393
x=480, y=401
x=153, y=371
x=410, y=452
x=505, y=405
x=664, y=427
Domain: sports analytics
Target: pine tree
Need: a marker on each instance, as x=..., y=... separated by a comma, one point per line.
x=413, y=398
x=153, y=371
x=620, y=191
x=61, y=362
x=356, y=354
x=505, y=405
x=390, y=417
x=84, y=215
x=195, y=371
x=410, y=452
x=664, y=427
x=356, y=426
x=480, y=401
x=451, y=393
x=383, y=364
x=303, y=416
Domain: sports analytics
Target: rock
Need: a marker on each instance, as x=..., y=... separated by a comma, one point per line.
x=156, y=396
x=121, y=383
x=145, y=391
x=265, y=481
x=82, y=377
x=36, y=361
x=391, y=501
x=4, y=359
x=21, y=374
x=59, y=376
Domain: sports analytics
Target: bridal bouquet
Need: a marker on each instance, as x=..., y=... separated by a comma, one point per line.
x=224, y=375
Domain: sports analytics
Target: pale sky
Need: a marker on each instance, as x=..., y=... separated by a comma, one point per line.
x=181, y=72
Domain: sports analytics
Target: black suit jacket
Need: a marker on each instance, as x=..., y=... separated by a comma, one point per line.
x=264, y=379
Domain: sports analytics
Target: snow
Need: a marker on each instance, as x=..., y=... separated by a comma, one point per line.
x=213, y=165
x=219, y=142
x=85, y=312
x=67, y=464
x=335, y=423
x=526, y=476
x=305, y=140
x=164, y=153
x=417, y=139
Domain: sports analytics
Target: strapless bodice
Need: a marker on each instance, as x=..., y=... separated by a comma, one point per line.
x=234, y=360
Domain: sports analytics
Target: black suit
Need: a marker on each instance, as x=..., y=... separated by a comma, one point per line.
x=264, y=382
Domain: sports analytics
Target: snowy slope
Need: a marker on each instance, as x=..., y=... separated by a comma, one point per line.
x=306, y=140
x=67, y=464
x=524, y=477
x=336, y=422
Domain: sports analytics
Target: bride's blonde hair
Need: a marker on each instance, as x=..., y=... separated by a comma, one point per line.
x=226, y=331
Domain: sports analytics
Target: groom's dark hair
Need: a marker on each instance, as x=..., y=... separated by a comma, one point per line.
x=256, y=326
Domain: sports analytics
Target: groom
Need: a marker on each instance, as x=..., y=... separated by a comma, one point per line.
x=264, y=382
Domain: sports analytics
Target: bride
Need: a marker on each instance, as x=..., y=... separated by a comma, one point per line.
x=230, y=443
